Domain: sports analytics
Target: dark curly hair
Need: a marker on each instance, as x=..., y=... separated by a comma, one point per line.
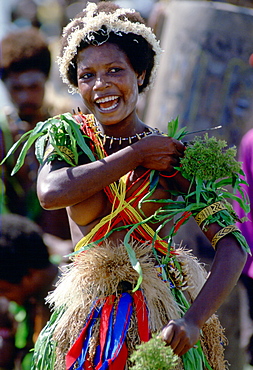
x=23, y=50
x=21, y=248
x=136, y=48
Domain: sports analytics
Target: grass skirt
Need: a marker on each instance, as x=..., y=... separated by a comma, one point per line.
x=99, y=272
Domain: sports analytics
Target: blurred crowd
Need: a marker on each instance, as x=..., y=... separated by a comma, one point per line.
x=21, y=317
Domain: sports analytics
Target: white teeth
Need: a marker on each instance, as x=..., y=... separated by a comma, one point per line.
x=112, y=107
x=106, y=99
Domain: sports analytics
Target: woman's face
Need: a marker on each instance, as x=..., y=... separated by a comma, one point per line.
x=107, y=83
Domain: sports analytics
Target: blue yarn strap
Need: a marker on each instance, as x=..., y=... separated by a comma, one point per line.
x=86, y=333
x=123, y=314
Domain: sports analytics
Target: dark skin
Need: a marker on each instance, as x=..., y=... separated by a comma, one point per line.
x=27, y=90
x=105, y=72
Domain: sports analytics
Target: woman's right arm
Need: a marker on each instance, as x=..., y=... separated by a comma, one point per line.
x=60, y=185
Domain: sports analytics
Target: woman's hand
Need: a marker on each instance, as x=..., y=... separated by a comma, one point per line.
x=180, y=335
x=158, y=152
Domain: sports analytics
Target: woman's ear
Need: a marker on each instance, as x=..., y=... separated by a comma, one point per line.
x=140, y=78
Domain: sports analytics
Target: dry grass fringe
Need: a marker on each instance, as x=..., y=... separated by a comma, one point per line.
x=213, y=342
x=96, y=274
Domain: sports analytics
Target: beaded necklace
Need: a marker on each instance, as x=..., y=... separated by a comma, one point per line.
x=129, y=139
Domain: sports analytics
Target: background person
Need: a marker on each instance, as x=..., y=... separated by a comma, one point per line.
x=8, y=329
x=245, y=155
x=25, y=66
x=26, y=276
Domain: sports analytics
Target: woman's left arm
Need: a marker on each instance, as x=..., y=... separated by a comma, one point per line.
x=228, y=263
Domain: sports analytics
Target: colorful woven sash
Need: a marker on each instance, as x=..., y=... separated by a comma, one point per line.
x=123, y=211
x=111, y=353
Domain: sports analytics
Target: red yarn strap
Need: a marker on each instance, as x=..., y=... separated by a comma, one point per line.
x=169, y=176
x=104, y=325
x=142, y=316
x=120, y=361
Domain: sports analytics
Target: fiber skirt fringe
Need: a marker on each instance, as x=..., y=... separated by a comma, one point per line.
x=99, y=272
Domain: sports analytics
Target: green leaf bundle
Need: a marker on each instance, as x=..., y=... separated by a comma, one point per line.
x=209, y=159
x=154, y=355
x=211, y=167
x=59, y=131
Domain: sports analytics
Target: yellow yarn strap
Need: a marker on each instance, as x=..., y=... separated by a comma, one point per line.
x=209, y=211
x=133, y=214
x=119, y=191
x=223, y=232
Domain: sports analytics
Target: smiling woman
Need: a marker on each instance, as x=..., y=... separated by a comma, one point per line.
x=108, y=84
x=119, y=180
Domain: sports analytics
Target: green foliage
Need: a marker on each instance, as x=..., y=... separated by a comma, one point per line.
x=173, y=129
x=44, y=351
x=211, y=167
x=154, y=355
x=58, y=131
x=209, y=159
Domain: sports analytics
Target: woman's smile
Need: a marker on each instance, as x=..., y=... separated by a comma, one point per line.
x=108, y=103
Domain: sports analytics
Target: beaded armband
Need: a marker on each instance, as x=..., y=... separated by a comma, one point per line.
x=51, y=151
x=209, y=211
x=223, y=232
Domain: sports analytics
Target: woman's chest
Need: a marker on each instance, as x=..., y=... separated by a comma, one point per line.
x=138, y=193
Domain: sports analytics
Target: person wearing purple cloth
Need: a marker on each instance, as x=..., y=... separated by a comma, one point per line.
x=245, y=155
